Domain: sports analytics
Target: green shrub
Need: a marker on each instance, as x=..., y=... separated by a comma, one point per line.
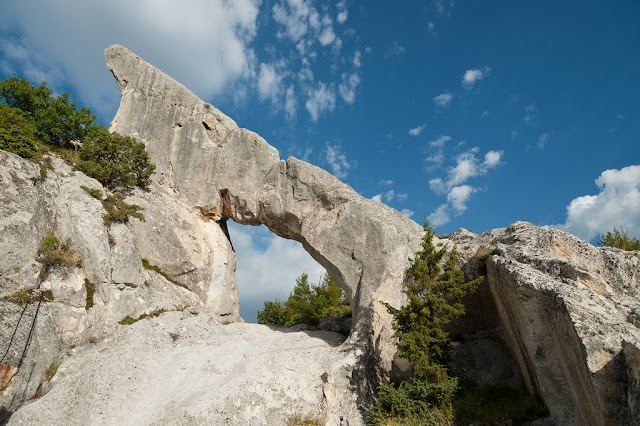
x=53, y=252
x=94, y=192
x=90, y=288
x=434, y=299
x=300, y=420
x=17, y=135
x=118, y=162
x=51, y=371
x=56, y=120
x=307, y=304
x=118, y=211
x=619, y=239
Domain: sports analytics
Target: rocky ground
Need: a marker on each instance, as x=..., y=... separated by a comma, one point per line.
x=180, y=368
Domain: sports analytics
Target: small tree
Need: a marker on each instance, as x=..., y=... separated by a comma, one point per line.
x=118, y=162
x=17, y=135
x=307, y=304
x=619, y=239
x=434, y=299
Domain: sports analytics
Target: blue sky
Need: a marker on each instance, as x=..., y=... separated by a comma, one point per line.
x=474, y=114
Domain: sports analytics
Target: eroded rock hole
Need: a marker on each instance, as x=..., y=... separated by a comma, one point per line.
x=270, y=267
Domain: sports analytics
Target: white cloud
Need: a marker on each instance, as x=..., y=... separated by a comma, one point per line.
x=436, y=157
x=269, y=82
x=402, y=196
x=617, y=205
x=529, y=114
x=357, y=59
x=439, y=216
x=443, y=100
x=385, y=182
x=347, y=87
x=474, y=75
x=377, y=197
x=267, y=266
x=343, y=14
x=337, y=161
x=407, y=212
x=209, y=48
x=327, y=36
x=431, y=27
x=543, y=139
x=320, y=100
x=514, y=133
x=290, y=103
x=417, y=130
x=458, y=197
x=395, y=50
x=294, y=16
x=458, y=193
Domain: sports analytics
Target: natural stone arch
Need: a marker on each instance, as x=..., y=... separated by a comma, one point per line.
x=229, y=172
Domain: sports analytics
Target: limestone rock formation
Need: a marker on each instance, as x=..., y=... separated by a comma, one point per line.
x=204, y=158
x=111, y=265
x=569, y=315
x=187, y=370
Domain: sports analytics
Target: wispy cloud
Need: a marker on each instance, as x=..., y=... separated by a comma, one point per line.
x=337, y=161
x=436, y=153
x=395, y=50
x=407, y=212
x=416, y=131
x=320, y=99
x=385, y=182
x=473, y=75
x=543, y=139
x=347, y=87
x=443, y=100
x=529, y=114
x=616, y=205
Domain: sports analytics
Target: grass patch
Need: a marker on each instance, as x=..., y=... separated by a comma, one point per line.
x=53, y=252
x=90, y=288
x=45, y=165
x=300, y=420
x=19, y=297
x=48, y=295
x=51, y=371
x=128, y=320
x=496, y=404
x=151, y=267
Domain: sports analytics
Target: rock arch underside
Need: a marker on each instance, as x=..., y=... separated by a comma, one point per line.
x=555, y=314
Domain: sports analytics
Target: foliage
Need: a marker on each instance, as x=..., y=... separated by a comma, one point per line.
x=19, y=297
x=53, y=252
x=56, y=120
x=118, y=162
x=90, y=288
x=50, y=372
x=148, y=265
x=619, y=239
x=118, y=211
x=128, y=320
x=94, y=192
x=434, y=299
x=307, y=304
x=48, y=295
x=17, y=135
x=496, y=404
x=300, y=420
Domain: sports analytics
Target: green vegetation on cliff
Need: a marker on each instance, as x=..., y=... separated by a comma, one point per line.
x=619, y=239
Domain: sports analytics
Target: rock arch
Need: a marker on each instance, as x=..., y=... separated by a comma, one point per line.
x=230, y=172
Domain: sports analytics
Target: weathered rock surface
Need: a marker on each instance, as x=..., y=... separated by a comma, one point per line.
x=568, y=312
x=110, y=262
x=188, y=370
x=204, y=158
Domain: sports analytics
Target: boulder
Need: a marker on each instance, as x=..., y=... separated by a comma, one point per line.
x=568, y=312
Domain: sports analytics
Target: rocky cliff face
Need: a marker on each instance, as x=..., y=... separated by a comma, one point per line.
x=555, y=314
x=568, y=312
x=194, y=251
